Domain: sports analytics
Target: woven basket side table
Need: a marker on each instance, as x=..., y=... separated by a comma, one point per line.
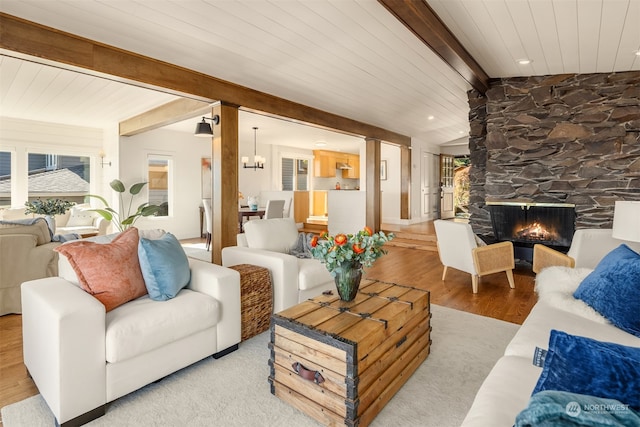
x=256, y=299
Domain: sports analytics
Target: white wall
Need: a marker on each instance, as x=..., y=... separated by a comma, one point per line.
x=391, y=187
x=185, y=152
x=22, y=137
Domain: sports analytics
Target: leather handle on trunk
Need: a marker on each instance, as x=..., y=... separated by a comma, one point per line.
x=308, y=374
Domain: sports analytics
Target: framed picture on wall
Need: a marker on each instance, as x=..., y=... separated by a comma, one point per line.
x=383, y=169
x=206, y=184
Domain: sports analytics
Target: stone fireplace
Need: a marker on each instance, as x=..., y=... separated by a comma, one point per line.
x=527, y=224
x=565, y=139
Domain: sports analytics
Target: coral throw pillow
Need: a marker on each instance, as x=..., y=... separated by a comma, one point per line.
x=110, y=271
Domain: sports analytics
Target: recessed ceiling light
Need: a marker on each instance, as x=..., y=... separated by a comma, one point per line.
x=430, y=117
x=320, y=144
x=525, y=61
x=637, y=52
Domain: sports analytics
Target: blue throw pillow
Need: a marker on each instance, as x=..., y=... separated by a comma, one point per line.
x=586, y=366
x=613, y=289
x=164, y=266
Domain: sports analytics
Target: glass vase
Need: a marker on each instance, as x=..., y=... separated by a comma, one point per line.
x=347, y=278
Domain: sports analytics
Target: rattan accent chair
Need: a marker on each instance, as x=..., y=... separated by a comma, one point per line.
x=459, y=248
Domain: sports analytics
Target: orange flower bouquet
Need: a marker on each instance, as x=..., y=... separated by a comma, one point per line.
x=345, y=255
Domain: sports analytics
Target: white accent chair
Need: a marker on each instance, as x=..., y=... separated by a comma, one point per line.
x=588, y=247
x=82, y=358
x=267, y=243
x=458, y=248
x=274, y=209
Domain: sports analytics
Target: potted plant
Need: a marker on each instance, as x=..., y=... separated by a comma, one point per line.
x=49, y=208
x=125, y=219
x=345, y=255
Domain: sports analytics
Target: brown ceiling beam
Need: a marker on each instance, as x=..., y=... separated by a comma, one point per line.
x=422, y=21
x=33, y=39
x=169, y=113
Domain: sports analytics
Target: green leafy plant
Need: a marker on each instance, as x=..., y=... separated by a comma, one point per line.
x=357, y=250
x=49, y=207
x=125, y=219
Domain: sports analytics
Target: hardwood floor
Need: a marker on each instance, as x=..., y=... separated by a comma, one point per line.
x=412, y=261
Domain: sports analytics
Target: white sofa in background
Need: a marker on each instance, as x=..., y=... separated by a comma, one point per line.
x=79, y=220
x=81, y=358
x=267, y=243
x=507, y=389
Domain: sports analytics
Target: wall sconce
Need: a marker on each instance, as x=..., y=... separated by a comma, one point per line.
x=258, y=161
x=204, y=129
x=102, y=162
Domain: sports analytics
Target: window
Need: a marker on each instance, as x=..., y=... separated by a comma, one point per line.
x=295, y=174
x=54, y=176
x=159, y=178
x=5, y=179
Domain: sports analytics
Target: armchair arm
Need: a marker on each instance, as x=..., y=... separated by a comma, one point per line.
x=101, y=224
x=283, y=269
x=493, y=258
x=223, y=284
x=544, y=257
x=63, y=330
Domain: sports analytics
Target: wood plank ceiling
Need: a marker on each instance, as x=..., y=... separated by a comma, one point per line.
x=348, y=57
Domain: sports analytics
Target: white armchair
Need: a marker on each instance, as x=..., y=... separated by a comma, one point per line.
x=458, y=248
x=81, y=357
x=267, y=243
x=588, y=247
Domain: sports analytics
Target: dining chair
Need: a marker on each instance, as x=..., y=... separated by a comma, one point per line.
x=274, y=209
x=209, y=222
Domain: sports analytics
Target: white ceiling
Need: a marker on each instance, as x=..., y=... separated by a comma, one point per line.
x=348, y=57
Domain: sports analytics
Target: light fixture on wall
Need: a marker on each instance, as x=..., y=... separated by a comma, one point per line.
x=102, y=156
x=258, y=161
x=204, y=129
x=626, y=221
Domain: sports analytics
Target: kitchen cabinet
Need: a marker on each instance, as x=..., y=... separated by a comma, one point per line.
x=320, y=203
x=300, y=205
x=324, y=164
x=353, y=161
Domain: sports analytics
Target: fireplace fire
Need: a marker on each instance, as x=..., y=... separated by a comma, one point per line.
x=534, y=232
x=525, y=224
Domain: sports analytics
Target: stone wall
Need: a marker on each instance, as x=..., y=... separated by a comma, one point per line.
x=556, y=139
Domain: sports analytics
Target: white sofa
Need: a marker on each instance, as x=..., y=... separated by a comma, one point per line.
x=81, y=358
x=267, y=243
x=79, y=220
x=507, y=389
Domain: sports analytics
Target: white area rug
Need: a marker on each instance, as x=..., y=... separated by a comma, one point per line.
x=234, y=390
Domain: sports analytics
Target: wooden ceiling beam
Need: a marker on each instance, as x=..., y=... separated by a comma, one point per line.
x=422, y=21
x=169, y=113
x=36, y=40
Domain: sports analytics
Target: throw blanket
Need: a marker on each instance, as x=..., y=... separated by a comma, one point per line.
x=552, y=408
x=54, y=237
x=302, y=248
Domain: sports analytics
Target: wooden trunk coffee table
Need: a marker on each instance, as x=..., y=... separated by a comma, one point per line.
x=340, y=362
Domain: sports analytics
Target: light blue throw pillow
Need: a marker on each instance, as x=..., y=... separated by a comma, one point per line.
x=613, y=289
x=164, y=266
